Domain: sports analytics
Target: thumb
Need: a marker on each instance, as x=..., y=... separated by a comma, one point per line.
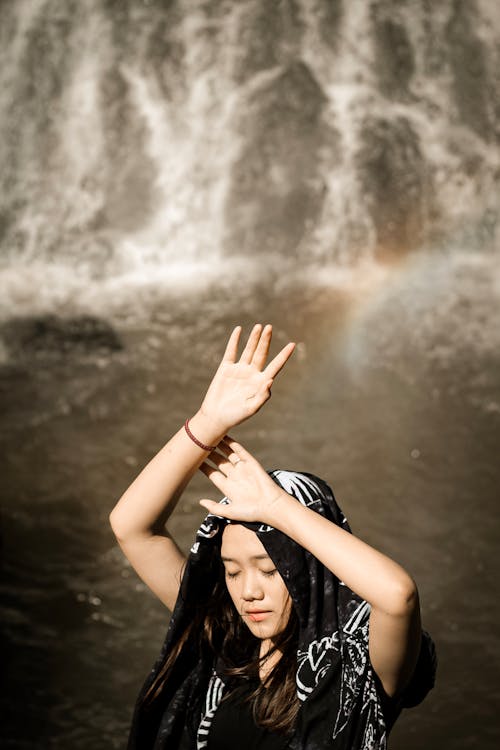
x=208, y=504
x=218, y=509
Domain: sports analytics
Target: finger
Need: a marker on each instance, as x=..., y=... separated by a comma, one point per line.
x=238, y=449
x=222, y=462
x=232, y=346
x=228, y=440
x=276, y=364
x=262, y=350
x=230, y=456
x=204, y=467
x=218, y=509
x=208, y=504
x=215, y=476
x=224, y=448
x=216, y=453
x=253, y=340
x=226, y=443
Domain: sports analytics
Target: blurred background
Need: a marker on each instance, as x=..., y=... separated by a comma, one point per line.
x=172, y=168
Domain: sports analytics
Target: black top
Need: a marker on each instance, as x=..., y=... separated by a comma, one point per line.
x=233, y=726
x=340, y=707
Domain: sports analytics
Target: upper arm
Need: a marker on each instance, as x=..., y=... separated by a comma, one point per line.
x=394, y=644
x=157, y=559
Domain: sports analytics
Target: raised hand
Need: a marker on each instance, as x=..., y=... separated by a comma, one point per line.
x=241, y=387
x=254, y=496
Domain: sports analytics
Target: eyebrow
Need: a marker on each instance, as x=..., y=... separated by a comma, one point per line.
x=253, y=557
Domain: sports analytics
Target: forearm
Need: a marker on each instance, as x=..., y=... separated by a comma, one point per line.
x=365, y=570
x=151, y=498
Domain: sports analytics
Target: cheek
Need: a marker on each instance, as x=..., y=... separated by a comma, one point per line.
x=281, y=595
x=232, y=590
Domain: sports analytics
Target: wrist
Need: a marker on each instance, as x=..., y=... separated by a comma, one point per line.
x=280, y=505
x=214, y=421
x=207, y=430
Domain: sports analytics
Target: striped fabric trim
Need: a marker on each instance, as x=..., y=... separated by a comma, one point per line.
x=215, y=691
x=304, y=487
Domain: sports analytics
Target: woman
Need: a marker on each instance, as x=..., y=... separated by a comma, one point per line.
x=287, y=631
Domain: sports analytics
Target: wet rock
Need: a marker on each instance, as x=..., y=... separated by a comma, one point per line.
x=276, y=190
x=396, y=184
x=44, y=68
x=167, y=51
x=51, y=334
x=268, y=35
x=129, y=188
x=395, y=62
x=329, y=14
x=471, y=87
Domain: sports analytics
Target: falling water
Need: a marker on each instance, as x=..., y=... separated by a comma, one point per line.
x=152, y=145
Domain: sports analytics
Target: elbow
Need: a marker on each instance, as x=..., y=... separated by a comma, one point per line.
x=118, y=527
x=113, y=522
x=404, y=597
x=126, y=532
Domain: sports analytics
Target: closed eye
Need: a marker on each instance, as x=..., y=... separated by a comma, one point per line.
x=267, y=573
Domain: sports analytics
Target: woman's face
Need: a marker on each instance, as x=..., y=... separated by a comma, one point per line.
x=255, y=586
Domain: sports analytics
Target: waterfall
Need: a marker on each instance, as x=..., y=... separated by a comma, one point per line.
x=169, y=142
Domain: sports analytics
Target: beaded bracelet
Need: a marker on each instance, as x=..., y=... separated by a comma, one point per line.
x=195, y=440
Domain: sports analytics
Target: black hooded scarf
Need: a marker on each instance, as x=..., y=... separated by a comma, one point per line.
x=342, y=704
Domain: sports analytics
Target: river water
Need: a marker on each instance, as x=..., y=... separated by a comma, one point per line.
x=393, y=396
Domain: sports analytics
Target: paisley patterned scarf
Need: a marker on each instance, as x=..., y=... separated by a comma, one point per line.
x=343, y=706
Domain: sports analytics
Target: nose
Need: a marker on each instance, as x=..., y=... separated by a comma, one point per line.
x=252, y=588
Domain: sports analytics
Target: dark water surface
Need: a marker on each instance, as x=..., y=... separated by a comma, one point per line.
x=397, y=412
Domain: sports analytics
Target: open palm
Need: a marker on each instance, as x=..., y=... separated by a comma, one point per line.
x=240, y=387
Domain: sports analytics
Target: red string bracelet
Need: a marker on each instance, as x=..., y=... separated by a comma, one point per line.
x=195, y=440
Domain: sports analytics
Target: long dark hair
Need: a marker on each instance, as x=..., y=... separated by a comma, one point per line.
x=222, y=631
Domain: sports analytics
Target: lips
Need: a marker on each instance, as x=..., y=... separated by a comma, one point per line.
x=256, y=615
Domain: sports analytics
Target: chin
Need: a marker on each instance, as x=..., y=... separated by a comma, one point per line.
x=263, y=629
